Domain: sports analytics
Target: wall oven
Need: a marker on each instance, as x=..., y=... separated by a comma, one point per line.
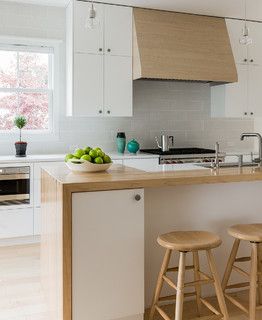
x=15, y=186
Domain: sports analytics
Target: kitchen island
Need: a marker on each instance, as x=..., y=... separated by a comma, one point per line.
x=99, y=256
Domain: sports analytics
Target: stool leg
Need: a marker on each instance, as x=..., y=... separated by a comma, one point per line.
x=259, y=266
x=230, y=263
x=180, y=286
x=197, y=277
x=218, y=288
x=159, y=283
x=253, y=282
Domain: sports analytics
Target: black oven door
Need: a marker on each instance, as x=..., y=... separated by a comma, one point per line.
x=14, y=186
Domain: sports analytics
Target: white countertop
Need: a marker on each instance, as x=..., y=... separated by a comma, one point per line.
x=172, y=167
x=60, y=157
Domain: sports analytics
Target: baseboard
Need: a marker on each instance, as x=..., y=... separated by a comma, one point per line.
x=19, y=241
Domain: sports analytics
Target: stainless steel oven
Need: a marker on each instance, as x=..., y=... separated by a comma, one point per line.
x=14, y=185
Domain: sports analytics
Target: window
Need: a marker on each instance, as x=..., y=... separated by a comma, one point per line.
x=26, y=86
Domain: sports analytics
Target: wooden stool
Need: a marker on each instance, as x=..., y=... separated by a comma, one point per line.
x=184, y=242
x=253, y=234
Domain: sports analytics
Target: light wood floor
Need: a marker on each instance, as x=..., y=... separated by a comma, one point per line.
x=21, y=296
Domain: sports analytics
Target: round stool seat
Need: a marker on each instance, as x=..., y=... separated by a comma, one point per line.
x=248, y=232
x=189, y=240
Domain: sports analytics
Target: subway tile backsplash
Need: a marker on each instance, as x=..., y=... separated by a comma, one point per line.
x=178, y=108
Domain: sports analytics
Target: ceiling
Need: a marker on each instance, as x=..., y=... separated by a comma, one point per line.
x=223, y=8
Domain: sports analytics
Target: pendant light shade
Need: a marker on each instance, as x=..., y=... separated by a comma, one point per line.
x=245, y=39
x=92, y=21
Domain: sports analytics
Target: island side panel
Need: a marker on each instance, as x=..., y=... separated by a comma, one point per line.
x=52, y=249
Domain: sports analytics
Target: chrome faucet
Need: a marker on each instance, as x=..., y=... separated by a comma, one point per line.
x=257, y=135
x=217, y=155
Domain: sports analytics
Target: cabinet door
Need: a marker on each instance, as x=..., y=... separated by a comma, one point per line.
x=255, y=91
x=108, y=255
x=118, y=30
x=118, y=86
x=16, y=223
x=236, y=94
x=234, y=28
x=255, y=49
x=88, y=85
x=88, y=40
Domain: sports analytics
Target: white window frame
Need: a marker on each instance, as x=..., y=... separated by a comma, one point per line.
x=38, y=45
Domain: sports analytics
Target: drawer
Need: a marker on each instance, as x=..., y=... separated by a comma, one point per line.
x=16, y=223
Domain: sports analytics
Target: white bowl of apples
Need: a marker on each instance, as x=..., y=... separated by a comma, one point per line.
x=88, y=160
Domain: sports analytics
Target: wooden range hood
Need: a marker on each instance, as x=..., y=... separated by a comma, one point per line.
x=178, y=46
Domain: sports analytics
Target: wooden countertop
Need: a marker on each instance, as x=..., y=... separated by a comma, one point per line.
x=122, y=177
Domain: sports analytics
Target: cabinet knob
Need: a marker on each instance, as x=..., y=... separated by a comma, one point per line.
x=251, y=60
x=100, y=49
x=137, y=197
x=251, y=113
x=100, y=111
x=245, y=113
x=245, y=60
x=108, y=111
x=108, y=50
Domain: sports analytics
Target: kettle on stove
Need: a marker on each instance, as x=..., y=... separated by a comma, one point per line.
x=166, y=142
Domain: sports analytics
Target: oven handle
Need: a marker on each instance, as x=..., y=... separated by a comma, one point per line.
x=17, y=176
x=11, y=197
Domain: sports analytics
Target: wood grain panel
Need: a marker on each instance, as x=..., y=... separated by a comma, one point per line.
x=169, y=45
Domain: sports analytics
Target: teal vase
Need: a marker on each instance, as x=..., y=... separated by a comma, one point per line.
x=133, y=146
x=121, y=142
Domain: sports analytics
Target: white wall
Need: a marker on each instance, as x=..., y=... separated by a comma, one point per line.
x=181, y=109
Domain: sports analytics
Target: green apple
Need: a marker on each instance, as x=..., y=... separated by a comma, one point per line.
x=99, y=160
x=100, y=153
x=79, y=153
x=87, y=150
x=97, y=149
x=86, y=157
x=69, y=156
x=107, y=159
x=93, y=153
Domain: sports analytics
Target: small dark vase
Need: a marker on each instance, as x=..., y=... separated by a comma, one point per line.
x=20, y=148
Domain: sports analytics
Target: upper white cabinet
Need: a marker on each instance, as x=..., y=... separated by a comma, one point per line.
x=241, y=99
x=118, y=30
x=87, y=40
x=99, y=61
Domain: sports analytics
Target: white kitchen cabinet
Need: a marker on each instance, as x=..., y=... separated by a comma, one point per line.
x=87, y=40
x=88, y=85
x=118, y=86
x=142, y=164
x=16, y=223
x=234, y=28
x=108, y=241
x=37, y=221
x=255, y=49
x=99, y=61
x=255, y=90
x=118, y=30
x=241, y=99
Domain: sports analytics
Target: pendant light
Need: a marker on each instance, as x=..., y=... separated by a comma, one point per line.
x=92, y=21
x=245, y=38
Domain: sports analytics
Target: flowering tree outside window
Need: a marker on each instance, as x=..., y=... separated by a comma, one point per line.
x=25, y=87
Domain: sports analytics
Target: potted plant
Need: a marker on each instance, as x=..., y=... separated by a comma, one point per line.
x=20, y=146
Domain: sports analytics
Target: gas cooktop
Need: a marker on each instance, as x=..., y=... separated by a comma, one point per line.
x=179, y=151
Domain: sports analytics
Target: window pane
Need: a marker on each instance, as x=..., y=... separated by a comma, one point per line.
x=34, y=106
x=8, y=69
x=33, y=70
x=8, y=110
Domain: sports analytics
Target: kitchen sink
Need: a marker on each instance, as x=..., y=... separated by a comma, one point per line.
x=229, y=165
